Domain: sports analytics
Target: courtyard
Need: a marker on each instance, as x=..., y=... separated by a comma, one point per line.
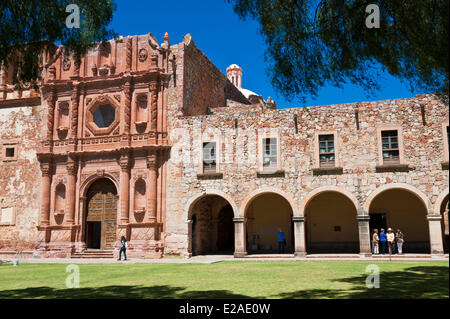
x=229, y=279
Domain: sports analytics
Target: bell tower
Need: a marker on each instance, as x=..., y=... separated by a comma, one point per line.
x=234, y=74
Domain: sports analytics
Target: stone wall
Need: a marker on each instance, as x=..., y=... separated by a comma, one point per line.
x=21, y=129
x=358, y=155
x=204, y=84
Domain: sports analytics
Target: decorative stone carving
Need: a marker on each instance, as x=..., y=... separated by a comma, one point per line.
x=124, y=162
x=74, y=119
x=129, y=53
x=66, y=63
x=46, y=169
x=152, y=161
x=143, y=54
x=103, y=70
x=51, y=112
x=94, y=69
x=71, y=168
x=52, y=72
x=154, y=105
x=127, y=106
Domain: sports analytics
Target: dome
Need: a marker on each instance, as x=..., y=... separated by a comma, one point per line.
x=234, y=67
x=247, y=93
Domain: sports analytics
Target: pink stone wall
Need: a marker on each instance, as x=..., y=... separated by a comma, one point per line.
x=20, y=178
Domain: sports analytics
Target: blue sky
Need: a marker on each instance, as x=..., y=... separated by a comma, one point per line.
x=226, y=39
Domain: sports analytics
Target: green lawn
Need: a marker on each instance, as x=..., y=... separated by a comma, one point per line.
x=234, y=279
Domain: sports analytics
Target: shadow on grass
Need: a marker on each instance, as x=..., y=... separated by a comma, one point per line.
x=412, y=283
x=111, y=292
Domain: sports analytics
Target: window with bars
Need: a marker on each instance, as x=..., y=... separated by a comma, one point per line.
x=326, y=150
x=391, y=153
x=209, y=157
x=269, y=153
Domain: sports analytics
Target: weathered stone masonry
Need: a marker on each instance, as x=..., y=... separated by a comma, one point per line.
x=113, y=147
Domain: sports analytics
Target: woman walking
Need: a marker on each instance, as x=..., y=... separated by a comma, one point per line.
x=123, y=248
x=375, y=240
x=400, y=241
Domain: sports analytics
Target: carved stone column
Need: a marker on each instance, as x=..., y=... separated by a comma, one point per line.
x=240, y=249
x=154, y=106
x=152, y=166
x=74, y=115
x=71, y=167
x=364, y=235
x=125, y=189
x=51, y=97
x=46, y=169
x=127, y=107
x=129, y=53
x=299, y=235
x=435, y=230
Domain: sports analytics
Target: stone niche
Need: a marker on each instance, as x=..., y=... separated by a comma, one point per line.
x=63, y=119
x=60, y=203
x=141, y=113
x=140, y=199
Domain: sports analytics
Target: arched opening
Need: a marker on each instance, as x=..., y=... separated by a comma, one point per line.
x=101, y=215
x=266, y=215
x=401, y=209
x=212, y=227
x=331, y=224
x=444, y=223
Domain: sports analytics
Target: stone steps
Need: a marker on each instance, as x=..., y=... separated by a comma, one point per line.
x=94, y=254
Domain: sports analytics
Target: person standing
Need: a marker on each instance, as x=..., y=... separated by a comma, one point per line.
x=375, y=242
x=123, y=248
x=383, y=239
x=400, y=241
x=281, y=241
x=390, y=239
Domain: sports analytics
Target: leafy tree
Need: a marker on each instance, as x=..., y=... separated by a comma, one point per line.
x=27, y=27
x=315, y=42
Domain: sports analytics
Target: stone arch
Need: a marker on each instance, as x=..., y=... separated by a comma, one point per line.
x=331, y=220
x=261, y=224
x=92, y=178
x=194, y=199
x=439, y=202
x=265, y=190
x=402, y=186
x=210, y=226
x=323, y=189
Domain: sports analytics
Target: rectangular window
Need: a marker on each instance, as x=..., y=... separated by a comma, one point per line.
x=390, y=147
x=326, y=150
x=209, y=157
x=269, y=153
x=9, y=152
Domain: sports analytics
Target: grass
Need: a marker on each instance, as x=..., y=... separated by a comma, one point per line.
x=233, y=279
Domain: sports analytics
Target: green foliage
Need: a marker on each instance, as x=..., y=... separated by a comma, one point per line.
x=315, y=42
x=27, y=27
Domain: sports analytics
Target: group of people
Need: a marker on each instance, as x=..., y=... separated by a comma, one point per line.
x=392, y=241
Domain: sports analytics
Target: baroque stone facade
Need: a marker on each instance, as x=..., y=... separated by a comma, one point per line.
x=153, y=142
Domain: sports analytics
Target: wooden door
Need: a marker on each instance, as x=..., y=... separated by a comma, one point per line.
x=102, y=208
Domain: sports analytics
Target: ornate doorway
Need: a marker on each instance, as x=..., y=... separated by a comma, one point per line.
x=101, y=215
